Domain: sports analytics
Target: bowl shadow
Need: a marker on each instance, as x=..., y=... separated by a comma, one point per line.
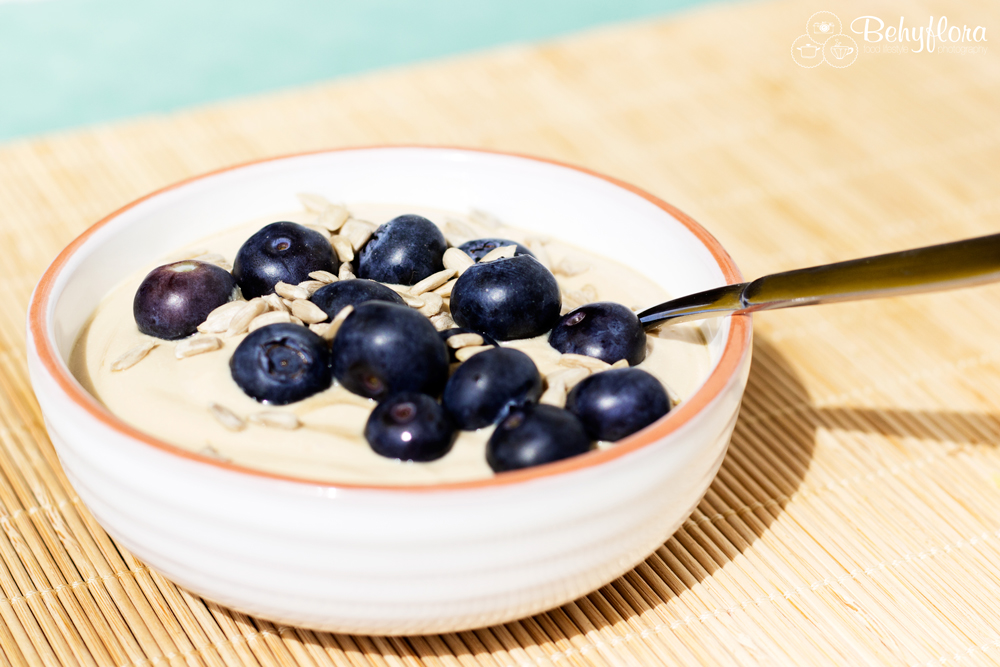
x=768, y=457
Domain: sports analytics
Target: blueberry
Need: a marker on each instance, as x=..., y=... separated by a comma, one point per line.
x=281, y=364
x=604, y=330
x=281, y=252
x=454, y=331
x=508, y=298
x=483, y=388
x=335, y=296
x=384, y=348
x=618, y=402
x=174, y=299
x=410, y=426
x=481, y=247
x=403, y=251
x=535, y=434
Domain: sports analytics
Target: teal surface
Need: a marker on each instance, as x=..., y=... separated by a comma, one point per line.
x=65, y=63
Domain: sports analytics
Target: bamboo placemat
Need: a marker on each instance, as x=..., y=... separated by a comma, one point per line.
x=856, y=519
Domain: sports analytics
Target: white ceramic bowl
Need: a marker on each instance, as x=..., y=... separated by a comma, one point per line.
x=383, y=559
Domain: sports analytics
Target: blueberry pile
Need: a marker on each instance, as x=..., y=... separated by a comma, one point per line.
x=373, y=335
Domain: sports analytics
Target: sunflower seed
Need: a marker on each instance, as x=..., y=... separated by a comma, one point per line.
x=227, y=417
x=502, y=252
x=134, y=355
x=241, y=320
x=275, y=303
x=568, y=377
x=467, y=353
x=311, y=285
x=218, y=320
x=433, y=303
x=443, y=322
x=433, y=281
x=292, y=292
x=273, y=317
x=308, y=312
x=541, y=254
x=570, y=267
x=583, y=361
x=456, y=259
x=458, y=232
x=275, y=419
x=323, y=276
x=573, y=299
x=346, y=271
x=316, y=228
x=621, y=363
x=398, y=289
x=332, y=217
x=211, y=258
x=459, y=341
x=333, y=326
x=484, y=218
x=412, y=301
x=319, y=329
x=445, y=290
x=196, y=345
x=554, y=395
x=313, y=202
x=295, y=320
x=357, y=232
x=212, y=452
x=342, y=246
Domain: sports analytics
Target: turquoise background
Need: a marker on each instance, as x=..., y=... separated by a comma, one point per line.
x=65, y=63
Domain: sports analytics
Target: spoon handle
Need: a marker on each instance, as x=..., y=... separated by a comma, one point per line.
x=936, y=267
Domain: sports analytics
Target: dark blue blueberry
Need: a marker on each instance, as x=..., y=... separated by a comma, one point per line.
x=507, y=299
x=616, y=403
x=448, y=333
x=410, y=426
x=384, y=348
x=335, y=296
x=281, y=252
x=604, y=330
x=535, y=434
x=403, y=251
x=483, y=388
x=481, y=247
x=174, y=299
x=281, y=364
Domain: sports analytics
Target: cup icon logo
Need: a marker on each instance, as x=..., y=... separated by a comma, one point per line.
x=840, y=51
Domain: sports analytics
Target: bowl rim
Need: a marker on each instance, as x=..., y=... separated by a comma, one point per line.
x=736, y=347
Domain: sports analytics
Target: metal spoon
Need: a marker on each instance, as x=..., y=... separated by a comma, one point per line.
x=936, y=267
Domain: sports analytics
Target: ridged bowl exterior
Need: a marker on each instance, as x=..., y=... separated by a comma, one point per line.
x=376, y=560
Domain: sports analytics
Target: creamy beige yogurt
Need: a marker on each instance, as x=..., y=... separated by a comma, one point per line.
x=170, y=398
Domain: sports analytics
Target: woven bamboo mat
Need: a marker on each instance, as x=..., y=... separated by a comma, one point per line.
x=856, y=519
